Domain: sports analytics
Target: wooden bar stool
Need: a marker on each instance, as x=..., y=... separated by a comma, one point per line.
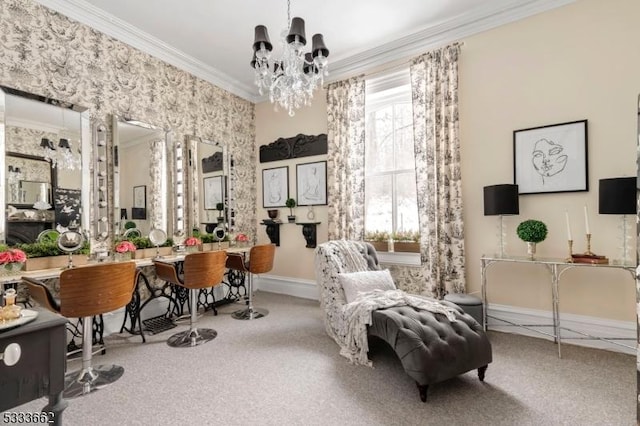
x=260, y=261
x=201, y=270
x=85, y=292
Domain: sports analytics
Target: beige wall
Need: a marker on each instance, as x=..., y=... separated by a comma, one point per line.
x=576, y=62
x=292, y=258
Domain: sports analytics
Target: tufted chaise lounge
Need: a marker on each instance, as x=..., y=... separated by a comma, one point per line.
x=430, y=347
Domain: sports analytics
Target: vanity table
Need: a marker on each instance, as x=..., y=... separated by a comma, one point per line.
x=39, y=370
x=557, y=268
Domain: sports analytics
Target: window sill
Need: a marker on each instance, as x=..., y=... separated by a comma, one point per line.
x=399, y=258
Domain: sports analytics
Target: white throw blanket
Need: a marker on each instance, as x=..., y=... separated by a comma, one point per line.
x=357, y=316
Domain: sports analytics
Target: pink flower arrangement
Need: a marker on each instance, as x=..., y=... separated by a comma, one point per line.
x=242, y=238
x=125, y=246
x=192, y=241
x=12, y=256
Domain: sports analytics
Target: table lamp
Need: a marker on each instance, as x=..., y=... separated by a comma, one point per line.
x=501, y=200
x=618, y=196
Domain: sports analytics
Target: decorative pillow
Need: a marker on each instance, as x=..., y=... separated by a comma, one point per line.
x=354, y=283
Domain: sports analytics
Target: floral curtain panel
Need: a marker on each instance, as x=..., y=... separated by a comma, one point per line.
x=345, y=159
x=434, y=87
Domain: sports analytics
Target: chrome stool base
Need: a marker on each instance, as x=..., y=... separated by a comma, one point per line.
x=194, y=337
x=250, y=314
x=79, y=383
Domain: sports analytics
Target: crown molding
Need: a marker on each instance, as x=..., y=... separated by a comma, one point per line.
x=456, y=29
x=108, y=24
x=464, y=25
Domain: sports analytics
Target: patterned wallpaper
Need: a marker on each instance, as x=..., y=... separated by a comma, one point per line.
x=46, y=53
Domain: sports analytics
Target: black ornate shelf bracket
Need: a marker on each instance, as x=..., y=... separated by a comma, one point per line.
x=309, y=232
x=273, y=231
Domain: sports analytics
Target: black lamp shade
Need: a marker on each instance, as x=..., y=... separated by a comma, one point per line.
x=318, y=46
x=501, y=199
x=297, y=29
x=262, y=36
x=617, y=196
x=309, y=67
x=64, y=143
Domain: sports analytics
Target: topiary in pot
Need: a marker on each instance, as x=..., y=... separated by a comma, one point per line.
x=291, y=203
x=532, y=231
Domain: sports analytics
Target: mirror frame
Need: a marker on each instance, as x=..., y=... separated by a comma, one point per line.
x=52, y=176
x=195, y=200
x=85, y=135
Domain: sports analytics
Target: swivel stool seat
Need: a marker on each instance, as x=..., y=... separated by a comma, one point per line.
x=85, y=292
x=201, y=270
x=260, y=261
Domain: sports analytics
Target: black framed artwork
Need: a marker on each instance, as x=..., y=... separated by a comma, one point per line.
x=311, y=180
x=552, y=158
x=139, y=209
x=213, y=191
x=275, y=187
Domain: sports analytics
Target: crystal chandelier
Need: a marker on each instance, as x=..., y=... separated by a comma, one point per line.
x=291, y=79
x=63, y=157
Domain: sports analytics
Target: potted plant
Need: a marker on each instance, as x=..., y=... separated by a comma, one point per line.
x=193, y=244
x=378, y=239
x=532, y=231
x=124, y=250
x=291, y=203
x=11, y=260
x=47, y=255
x=406, y=241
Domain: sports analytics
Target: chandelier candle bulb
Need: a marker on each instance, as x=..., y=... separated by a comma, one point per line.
x=566, y=216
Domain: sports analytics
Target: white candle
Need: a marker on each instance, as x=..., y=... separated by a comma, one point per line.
x=586, y=220
x=566, y=216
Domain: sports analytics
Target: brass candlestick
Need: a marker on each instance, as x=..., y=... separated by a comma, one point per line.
x=589, y=252
x=570, y=258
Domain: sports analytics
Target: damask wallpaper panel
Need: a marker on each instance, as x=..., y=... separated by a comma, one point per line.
x=46, y=53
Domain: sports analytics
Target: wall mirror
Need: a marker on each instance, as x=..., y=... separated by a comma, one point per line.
x=44, y=144
x=211, y=202
x=140, y=176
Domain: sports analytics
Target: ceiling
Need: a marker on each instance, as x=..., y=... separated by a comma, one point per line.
x=212, y=39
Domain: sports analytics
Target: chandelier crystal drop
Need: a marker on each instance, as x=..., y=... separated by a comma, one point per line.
x=291, y=79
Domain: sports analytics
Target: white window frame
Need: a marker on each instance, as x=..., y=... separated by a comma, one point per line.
x=394, y=85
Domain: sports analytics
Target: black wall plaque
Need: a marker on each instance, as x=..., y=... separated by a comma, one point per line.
x=212, y=163
x=295, y=147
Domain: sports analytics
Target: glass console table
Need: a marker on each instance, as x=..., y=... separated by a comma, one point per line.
x=556, y=267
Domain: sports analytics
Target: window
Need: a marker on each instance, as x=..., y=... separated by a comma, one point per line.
x=390, y=183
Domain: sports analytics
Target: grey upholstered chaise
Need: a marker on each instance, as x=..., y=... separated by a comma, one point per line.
x=430, y=347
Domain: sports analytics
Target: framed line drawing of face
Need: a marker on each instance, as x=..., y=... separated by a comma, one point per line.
x=551, y=158
x=311, y=180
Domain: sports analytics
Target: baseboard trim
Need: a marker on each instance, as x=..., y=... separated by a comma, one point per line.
x=306, y=289
x=594, y=326
x=585, y=324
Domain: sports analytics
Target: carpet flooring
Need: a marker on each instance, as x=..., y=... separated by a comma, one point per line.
x=284, y=370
